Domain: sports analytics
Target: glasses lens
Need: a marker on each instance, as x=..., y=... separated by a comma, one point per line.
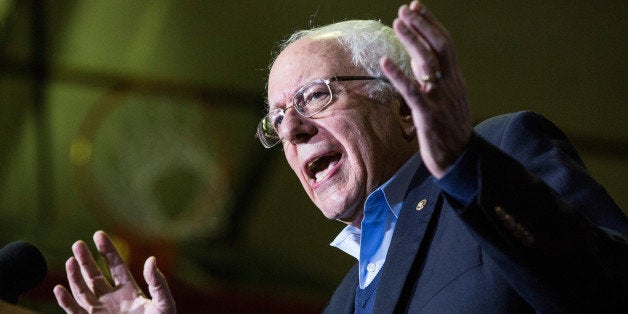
x=312, y=98
x=267, y=128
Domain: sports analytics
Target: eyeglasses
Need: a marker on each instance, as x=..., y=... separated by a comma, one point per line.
x=309, y=100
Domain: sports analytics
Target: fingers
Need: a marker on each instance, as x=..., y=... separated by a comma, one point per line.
x=158, y=286
x=119, y=272
x=436, y=94
x=424, y=63
x=66, y=301
x=429, y=44
x=407, y=87
x=83, y=295
x=91, y=292
x=91, y=273
x=418, y=17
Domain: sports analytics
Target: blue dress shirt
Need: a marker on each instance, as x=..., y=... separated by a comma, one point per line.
x=370, y=244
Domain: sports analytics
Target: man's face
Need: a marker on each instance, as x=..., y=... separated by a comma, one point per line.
x=346, y=151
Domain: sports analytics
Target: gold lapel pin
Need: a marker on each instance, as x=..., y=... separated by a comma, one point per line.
x=421, y=204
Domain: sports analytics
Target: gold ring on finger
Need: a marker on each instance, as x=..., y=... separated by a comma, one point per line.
x=432, y=78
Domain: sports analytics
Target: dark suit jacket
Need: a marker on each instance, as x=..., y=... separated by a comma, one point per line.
x=530, y=241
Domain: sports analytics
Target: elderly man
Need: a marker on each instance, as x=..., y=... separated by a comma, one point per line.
x=441, y=217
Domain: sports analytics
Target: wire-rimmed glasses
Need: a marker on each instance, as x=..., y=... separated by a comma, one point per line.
x=309, y=100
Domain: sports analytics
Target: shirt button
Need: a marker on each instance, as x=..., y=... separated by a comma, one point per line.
x=370, y=267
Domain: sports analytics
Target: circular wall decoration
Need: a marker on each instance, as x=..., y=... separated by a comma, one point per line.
x=155, y=165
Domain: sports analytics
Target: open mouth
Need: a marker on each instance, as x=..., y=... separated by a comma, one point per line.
x=319, y=168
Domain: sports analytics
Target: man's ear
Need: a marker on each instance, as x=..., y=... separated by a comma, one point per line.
x=407, y=124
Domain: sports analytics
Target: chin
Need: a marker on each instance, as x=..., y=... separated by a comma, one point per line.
x=331, y=214
x=348, y=215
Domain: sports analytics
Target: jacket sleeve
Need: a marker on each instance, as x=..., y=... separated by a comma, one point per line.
x=544, y=150
x=540, y=216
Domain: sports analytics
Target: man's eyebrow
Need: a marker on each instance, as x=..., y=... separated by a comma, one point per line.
x=286, y=97
x=287, y=93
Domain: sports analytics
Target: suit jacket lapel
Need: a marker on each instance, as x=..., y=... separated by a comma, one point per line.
x=407, y=238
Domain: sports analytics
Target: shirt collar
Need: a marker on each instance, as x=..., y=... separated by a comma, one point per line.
x=348, y=240
x=396, y=187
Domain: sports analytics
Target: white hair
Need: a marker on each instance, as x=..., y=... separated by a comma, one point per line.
x=366, y=41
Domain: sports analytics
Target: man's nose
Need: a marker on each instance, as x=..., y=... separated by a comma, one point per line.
x=295, y=128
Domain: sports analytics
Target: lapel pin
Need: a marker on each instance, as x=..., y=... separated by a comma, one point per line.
x=421, y=204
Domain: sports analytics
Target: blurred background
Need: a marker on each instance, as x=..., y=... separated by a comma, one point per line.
x=138, y=118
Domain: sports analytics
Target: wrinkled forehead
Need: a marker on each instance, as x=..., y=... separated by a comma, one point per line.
x=303, y=61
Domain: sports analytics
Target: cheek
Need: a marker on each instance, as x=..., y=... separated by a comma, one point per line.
x=371, y=144
x=292, y=160
x=367, y=135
